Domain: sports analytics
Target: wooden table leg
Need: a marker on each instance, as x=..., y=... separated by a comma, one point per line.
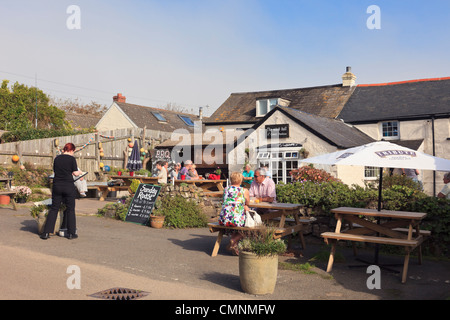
x=217, y=244
x=331, y=259
x=13, y=203
x=405, y=265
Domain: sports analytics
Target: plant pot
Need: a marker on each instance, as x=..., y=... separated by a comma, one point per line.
x=258, y=275
x=5, y=199
x=42, y=218
x=21, y=200
x=157, y=221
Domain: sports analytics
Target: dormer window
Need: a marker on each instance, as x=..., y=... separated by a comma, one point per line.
x=264, y=106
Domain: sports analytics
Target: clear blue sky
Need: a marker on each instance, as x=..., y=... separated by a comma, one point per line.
x=197, y=52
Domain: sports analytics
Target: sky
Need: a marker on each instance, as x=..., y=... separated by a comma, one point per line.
x=195, y=53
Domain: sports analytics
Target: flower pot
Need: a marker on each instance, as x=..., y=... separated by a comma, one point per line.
x=5, y=199
x=21, y=200
x=157, y=221
x=258, y=275
x=42, y=218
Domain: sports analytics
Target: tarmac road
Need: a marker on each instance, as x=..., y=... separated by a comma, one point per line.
x=176, y=265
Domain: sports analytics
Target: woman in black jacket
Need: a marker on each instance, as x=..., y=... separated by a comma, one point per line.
x=64, y=191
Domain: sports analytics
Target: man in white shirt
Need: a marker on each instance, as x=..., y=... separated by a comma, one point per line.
x=445, y=192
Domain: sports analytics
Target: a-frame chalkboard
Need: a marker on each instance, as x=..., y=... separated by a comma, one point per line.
x=142, y=204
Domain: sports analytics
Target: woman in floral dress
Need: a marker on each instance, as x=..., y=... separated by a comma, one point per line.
x=235, y=201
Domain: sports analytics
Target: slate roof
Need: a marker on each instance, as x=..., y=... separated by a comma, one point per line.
x=325, y=101
x=82, y=121
x=143, y=117
x=333, y=131
x=405, y=100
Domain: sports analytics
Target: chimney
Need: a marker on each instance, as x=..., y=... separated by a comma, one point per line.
x=200, y=113
x=348, y=78
x=119, y=98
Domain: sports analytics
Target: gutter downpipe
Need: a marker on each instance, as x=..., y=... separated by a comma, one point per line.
x=434, y=154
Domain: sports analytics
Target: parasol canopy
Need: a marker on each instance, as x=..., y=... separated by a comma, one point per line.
x=134, y=161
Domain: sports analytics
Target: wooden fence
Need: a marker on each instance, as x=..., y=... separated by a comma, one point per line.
x=41, y=152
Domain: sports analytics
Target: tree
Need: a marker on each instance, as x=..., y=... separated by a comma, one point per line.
x=18, y=105
x=76, y=106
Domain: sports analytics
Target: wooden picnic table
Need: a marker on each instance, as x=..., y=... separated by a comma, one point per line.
x=104, y=189
x=205, y=184
x=399, y=228
x=281, y=211
x=8, y=191
x=277, y=212
x=128, y=179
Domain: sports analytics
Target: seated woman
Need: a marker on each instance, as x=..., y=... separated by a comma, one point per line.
x=235, y=203
x=193, y=173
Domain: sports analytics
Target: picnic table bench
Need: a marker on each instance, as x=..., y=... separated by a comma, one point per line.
x=391, y=232
x=277, y=212
x=8, y=192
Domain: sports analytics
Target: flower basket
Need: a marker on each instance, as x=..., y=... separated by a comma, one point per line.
x=22, y=194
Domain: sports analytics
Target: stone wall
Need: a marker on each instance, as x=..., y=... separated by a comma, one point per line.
x=210, y=205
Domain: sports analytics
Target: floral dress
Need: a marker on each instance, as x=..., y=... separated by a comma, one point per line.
x=233, y=213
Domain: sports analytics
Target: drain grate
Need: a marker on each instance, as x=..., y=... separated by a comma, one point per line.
x=120, y=294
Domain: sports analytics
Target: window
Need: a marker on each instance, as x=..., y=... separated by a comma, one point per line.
x=264, y=106
x=187, y=120
x=371, y=173
x=159, y=116
x=280, y=163
x=390, y=130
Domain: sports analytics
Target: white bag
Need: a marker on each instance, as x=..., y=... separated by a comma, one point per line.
x=252, y=219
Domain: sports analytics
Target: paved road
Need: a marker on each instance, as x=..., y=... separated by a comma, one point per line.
x=176, y=265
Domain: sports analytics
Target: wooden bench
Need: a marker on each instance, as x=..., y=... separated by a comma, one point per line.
x=214, y=194
x=105, y=189
x=216, y=227
x=11, y=194
x=361, y=238
x=409, y=245
x=303, y=222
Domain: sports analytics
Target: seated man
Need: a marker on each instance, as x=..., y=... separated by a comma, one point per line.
x=263, y=187
x=445, y=192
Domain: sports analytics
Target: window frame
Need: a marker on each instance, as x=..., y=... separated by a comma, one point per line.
x=269, y=106
x=186, y=122
x=156, y=114
x=395, y=127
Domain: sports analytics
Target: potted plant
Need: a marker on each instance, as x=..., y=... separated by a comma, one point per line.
x=258, y=261
x=23, y=192
x=134, y=185
x=39, y=212
x=157, y=216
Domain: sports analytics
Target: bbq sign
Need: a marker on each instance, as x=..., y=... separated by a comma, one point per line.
x=396, y=154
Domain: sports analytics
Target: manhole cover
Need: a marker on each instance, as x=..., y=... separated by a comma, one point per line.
x=120, y=294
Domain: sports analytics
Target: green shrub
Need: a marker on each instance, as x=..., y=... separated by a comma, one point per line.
x=181, y=213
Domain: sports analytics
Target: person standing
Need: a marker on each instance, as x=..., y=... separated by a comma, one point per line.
x=63, y=191
x=248, y=175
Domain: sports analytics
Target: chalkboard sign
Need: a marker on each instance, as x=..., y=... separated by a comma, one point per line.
x=142, y=204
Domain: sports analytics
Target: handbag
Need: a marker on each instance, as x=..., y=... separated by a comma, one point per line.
x=252, y=219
